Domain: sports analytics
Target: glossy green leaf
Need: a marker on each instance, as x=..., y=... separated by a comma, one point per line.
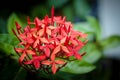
x=78, y=67
x=7, y=43
x=8, y=39
x=93, y=54
x=7, y=48
x=93, y=22
x=11, y=23
x=110, y=42
x=85, y=28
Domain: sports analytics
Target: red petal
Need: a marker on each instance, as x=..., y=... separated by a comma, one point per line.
x=63, y=40
x=74, y=42
x=69, y=29
x=47, y=52
x=36, y=64
x=59, y=62
x=30, y=52
x=18, y=49
x=36, y=43
x=22, y=57
x=65, y=49
x=51, y=27
x=41, y=57
x=48, y=31
x=63, y=32
x=78, y=48
x=82, y=35
x=52, y=15
x=78, y=56
x=36, y=22
x=23, y=36
x=52, y=11
x=46, y=62
x=28, y=62
x=29, y=40
x=44, y=40
x=17, y=26
x=52, y=57
x=40, y=32
x=54, y=68
x=56, y=50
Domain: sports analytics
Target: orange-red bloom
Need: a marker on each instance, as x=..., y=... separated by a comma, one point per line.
x=52, y=38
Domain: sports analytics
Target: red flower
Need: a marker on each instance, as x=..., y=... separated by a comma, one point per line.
x=54, y=64
x=36, y=60
x=51, y=38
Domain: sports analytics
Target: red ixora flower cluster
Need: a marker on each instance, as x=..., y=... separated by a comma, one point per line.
x=47, y=44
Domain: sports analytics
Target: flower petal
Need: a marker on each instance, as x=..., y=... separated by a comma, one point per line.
x=18, y=49
x=48, y=31
x=65, y=49
x=78, y=56
x=47, y=51
x=30, y=52
x=36, y=64
x=56, y=50
x=41, y=57
x=59, y=62
x=54, y=68
x=40, y=32
x=36, y=43
x=46, y=62
x=28, y=62
x=17, y=26
x=63, y=40
x=22, y=57
x=44, y=40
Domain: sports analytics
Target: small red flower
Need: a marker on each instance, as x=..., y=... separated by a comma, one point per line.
x=36, y=60
x=51, y=39
x=53, y=64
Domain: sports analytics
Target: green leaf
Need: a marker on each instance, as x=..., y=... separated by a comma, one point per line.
x=85, y=28
x=78, y=67
x=93, y=54
x=56, y=4
x=11, y=23
x=68, y=12
x=7, y=43
x=8, y=39
x=110, y=42
x=93, y=22
x=81, y=8
x=39, y=11
x=7, y=48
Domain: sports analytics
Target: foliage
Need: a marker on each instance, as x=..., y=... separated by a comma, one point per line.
x=94, y=49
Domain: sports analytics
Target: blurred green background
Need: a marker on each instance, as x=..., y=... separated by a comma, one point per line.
x=89, y=16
